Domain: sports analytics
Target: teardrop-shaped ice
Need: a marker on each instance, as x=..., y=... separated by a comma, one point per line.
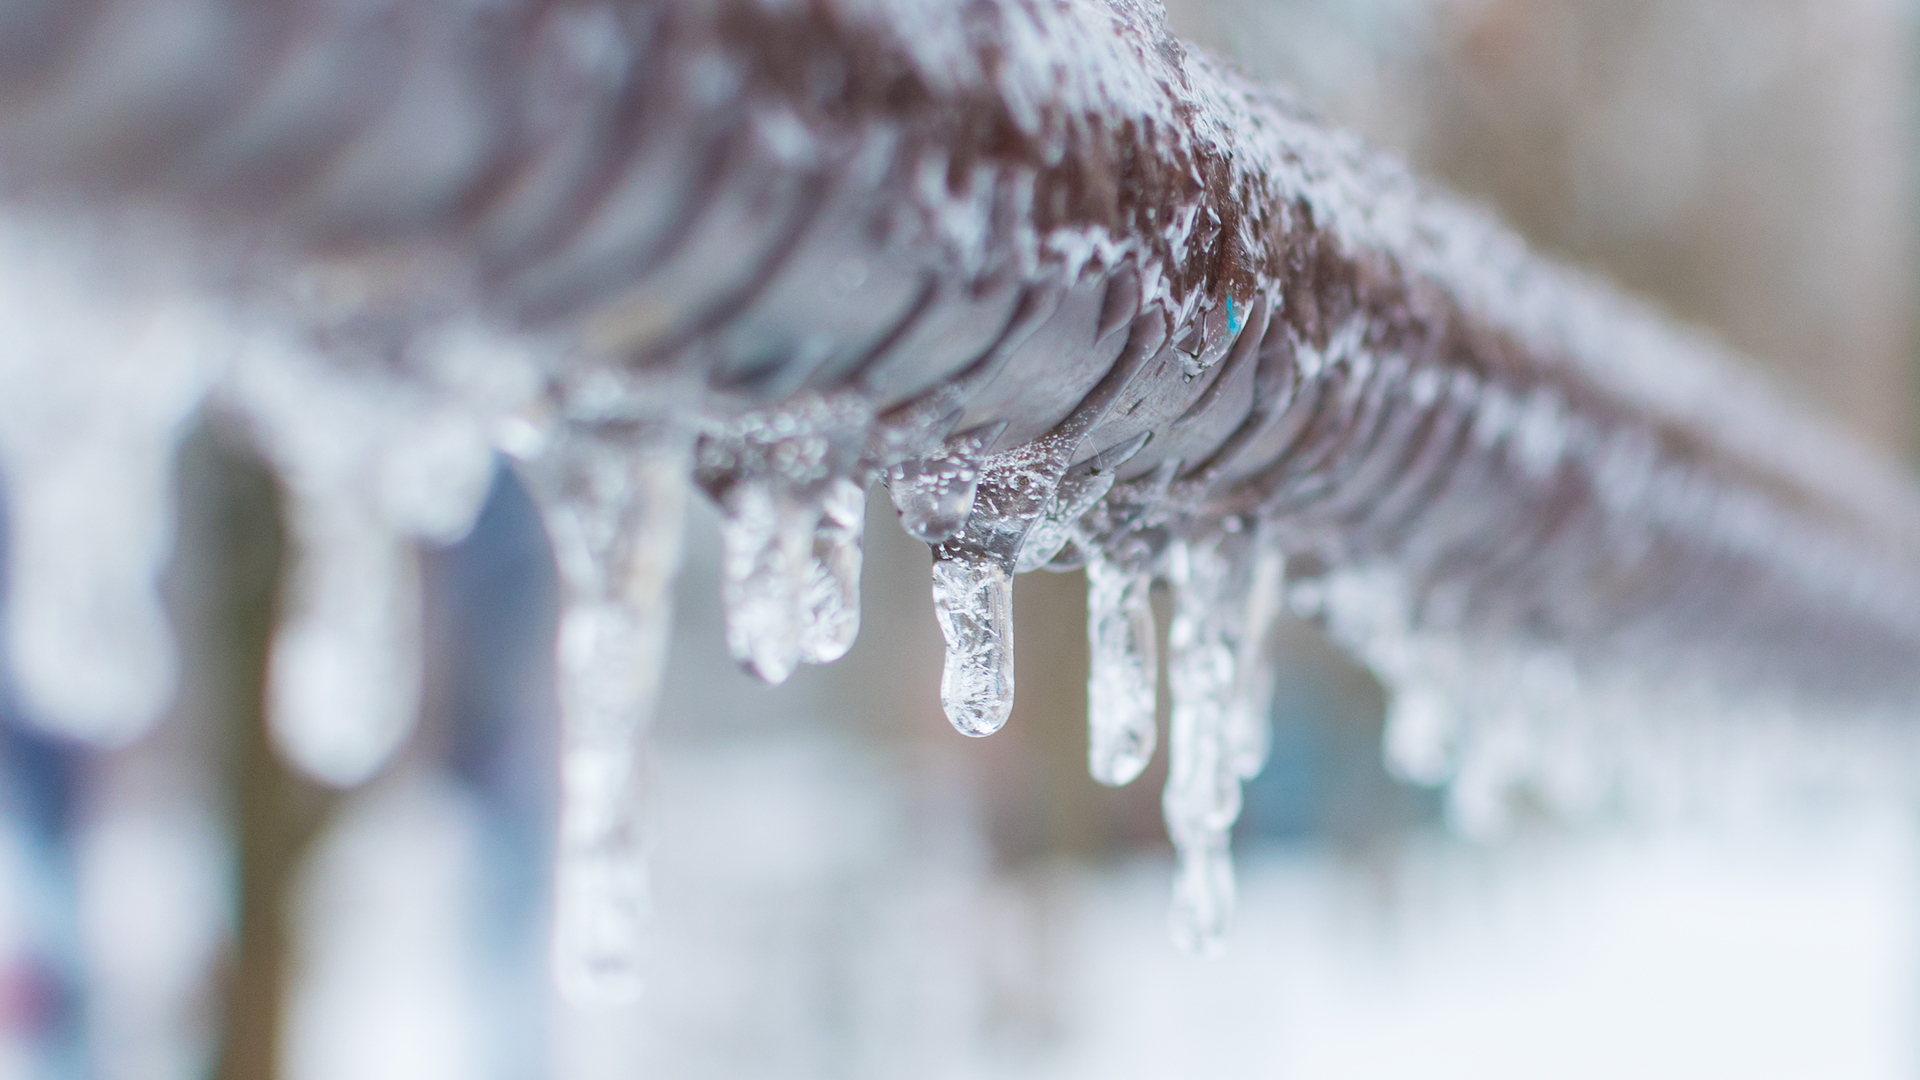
x=613, y=508
x=1122, y=672
x=973, y=600
x=833, y=576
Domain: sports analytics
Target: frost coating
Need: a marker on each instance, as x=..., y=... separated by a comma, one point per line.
x=973, y=599
x=1123, y=670
x=613, y=501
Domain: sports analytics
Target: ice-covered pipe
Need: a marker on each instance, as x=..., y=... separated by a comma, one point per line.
x=1075, y=291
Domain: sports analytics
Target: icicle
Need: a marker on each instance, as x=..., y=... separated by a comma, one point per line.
x=371, y=459
x=1250, y=724
x=973, y=599
x=344, y=680
x=768, y=540
x=614, y=508
x=833, y=576
x=1202, y=798
x=99, y=374
x=791, y=533
x=1122, y=672
x=934, y=494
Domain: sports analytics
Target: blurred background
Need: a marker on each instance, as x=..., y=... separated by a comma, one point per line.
x=845, y=888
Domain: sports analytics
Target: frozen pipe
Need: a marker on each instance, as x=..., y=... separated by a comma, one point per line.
x=1075, y=292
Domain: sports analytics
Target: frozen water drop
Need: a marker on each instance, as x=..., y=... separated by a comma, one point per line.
x=973, y=600
x=1122, y=672
x=833, y=576
x=768, y=538
x=614, y=509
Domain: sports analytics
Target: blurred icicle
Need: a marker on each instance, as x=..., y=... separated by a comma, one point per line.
x=791, y=532
x=1202, y=798
x=99, y=373
x=1250, y=725
x=1122, y=672
x=371, y=461
x=613, y=496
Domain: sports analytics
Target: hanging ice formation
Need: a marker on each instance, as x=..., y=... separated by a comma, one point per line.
x=1077, y=294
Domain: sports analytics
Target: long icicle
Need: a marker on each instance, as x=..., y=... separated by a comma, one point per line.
x=1122, y=671
x=614, y=504
x=1202, y=798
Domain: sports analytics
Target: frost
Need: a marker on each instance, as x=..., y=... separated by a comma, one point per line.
x=973, y=599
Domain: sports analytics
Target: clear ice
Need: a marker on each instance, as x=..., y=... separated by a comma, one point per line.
x=973, y=600
x=833, y=576
x=614, y=506
x=1202, y=798
x=767, y=539
x=1122, y=674
x=934, y=494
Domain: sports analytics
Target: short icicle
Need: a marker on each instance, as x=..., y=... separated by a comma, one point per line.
x=614, y=507
x=1202, y=798
x=833, y=575
x=973, y=600
x=767, y=540
x=1122, y=673
x=783, y=478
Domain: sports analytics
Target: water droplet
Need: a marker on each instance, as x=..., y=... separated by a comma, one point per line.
x=973, y=600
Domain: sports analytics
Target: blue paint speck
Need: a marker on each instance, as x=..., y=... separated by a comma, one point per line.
x=1234, y=318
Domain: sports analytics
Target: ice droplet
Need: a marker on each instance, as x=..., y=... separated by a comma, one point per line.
x=833, y=575
x=1202, y=798
x=768, y=540
x=934, y=494
x=1122, y=672
x=973, y=600
x=613, y=505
